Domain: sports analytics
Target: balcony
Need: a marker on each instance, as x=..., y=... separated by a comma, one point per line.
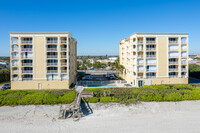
x=151, y=42
x=63, y=63
x=27, y=79
x=150, y=49
x=27, y=64
x=140, y=42
x=140, y=63
x=173, y=69
x=140, y=70
x=52, y=42
x=183, y=62
x=140, y=49
x=15, y=57
x=52, y=71
x=139, y=77
x=63, y=49
x=26, y=42
x=26, y=49
x=15, y=71
x=173, y=76
x=150, y=77
x=173, y=56
x=151, y=56
x=27, y=71
x=14, y=49
x=63, y=71
x=174, y=42
x=51, y=49
x=14, y=42
x=183, y=76
x=151, y=70
x=52, y=64
x=27, y=57
x=63, y=41
x=52, y=56
x=63, y=56
x=15, y=79
x=173, y=62
x=183, y=69
x=140, y=56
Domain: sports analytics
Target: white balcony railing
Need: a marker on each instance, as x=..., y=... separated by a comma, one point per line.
x=26, y=42
x=140, y=41
x=183, y=62
x=52, y=56
x=173, y=41
x=151, y=63
x=27, y=79
x=173, y=69
x=52, y=42
x=15, y=57
x=51, y=49
x=151, y=55
x=14, y=42
x=151, y=42
x=140, y=49
x=63, y=41
x=151, y=70
x=63, y=49
x=173, y=62
x=151, y=49
x=52, y=71
x=140, y=63
x=27, y=64
x=52, y=64
x=183, y=49
x=140, y=77
x=15, y=71
x=64, y=64
x=63, y=56
x=26, y=49
x=183, y=76
x=14, y=49
x=27, y=57
x=173, y=56
x=140, y=56
x=63, y=71
x=183, y=69
x=173, y=76
x=15, y=79
x=27, y=71
x=173, y=49
x=140, y=70
x=150, y=77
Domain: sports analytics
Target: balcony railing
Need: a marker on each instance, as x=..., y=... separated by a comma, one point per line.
x=139, y=70
x=15, y=79
x=140, y=42
x=183, y=56
x=173, y=62
x=52, y=42
x=140, y=77
x=151, y=49
x=151, y=70
x=64, y=64
x=63, y=56
x=63, y=49
x=183, y=62
x=173, y=56
x=26, y=49
x=183, y=49
x=27, y=71
x=26, y=57
x=173, y=49
x=26, y=42
x=15, y=71
x=52, y=71
x=52, y=64
x=14, y=42
x=150, y=77
x=63, y=71
x=140, y=56
x=51, y=49
x=140, y=63
x=173, y=41
x=52, y=56
x=183, y=69
x=63, y=41
x=173, y=76
x=27, y=79
x=151, y=63
x=140, y=49
x=151, y=41
x=27, y=64
x=173, y=69
x=183, y=76
x=14, y=57
x=151, y=55
x=14, y=49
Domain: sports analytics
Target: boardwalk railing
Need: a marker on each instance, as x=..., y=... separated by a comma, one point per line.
x=101, y=82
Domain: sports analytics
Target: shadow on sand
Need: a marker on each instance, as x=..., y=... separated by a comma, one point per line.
x=85, y=108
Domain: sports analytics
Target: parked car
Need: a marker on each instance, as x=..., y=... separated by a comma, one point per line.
x=6, y=86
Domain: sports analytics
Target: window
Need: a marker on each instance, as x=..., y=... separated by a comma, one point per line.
x=52, y=77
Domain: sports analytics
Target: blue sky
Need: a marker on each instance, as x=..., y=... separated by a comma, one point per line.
x=99, y=25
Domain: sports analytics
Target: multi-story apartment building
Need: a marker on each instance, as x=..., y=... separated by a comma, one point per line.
x=42, y=60
x=155, y=58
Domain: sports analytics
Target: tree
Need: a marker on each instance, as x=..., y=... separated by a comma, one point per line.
x=97, y=65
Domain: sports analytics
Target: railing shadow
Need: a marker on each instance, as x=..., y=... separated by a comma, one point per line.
x=85, y=108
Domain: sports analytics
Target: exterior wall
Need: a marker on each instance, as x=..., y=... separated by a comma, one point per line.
x=131, y=75
x=39, y=65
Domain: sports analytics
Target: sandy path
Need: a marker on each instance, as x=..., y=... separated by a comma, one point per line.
x=152, y=117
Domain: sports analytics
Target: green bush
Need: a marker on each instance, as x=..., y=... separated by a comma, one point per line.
x=93, y=100
x=173, y=97
x=107, y=99
x=67, y=98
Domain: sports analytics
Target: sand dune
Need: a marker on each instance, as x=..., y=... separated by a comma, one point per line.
x=150, y=117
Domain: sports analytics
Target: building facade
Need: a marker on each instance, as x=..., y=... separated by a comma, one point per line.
x=155, y=58
x=42, y=60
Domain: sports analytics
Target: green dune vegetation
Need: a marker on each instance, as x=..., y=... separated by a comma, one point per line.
x=145, y=93
x=36, y=97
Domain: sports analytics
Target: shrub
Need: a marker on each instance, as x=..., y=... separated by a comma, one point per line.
x=173, y=97
x=93, y=100
x=107, y=99
x=67, y=98
x=34, y=98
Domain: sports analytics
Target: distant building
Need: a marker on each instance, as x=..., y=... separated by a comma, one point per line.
x=92, y=61
x=155, y=58
x=79, y=60
x=198, y=56
x=112, y=59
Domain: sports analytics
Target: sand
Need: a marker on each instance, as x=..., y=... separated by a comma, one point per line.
x=146, y=117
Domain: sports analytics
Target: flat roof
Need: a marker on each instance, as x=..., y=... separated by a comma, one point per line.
x=40, y=33
x=152, y=33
